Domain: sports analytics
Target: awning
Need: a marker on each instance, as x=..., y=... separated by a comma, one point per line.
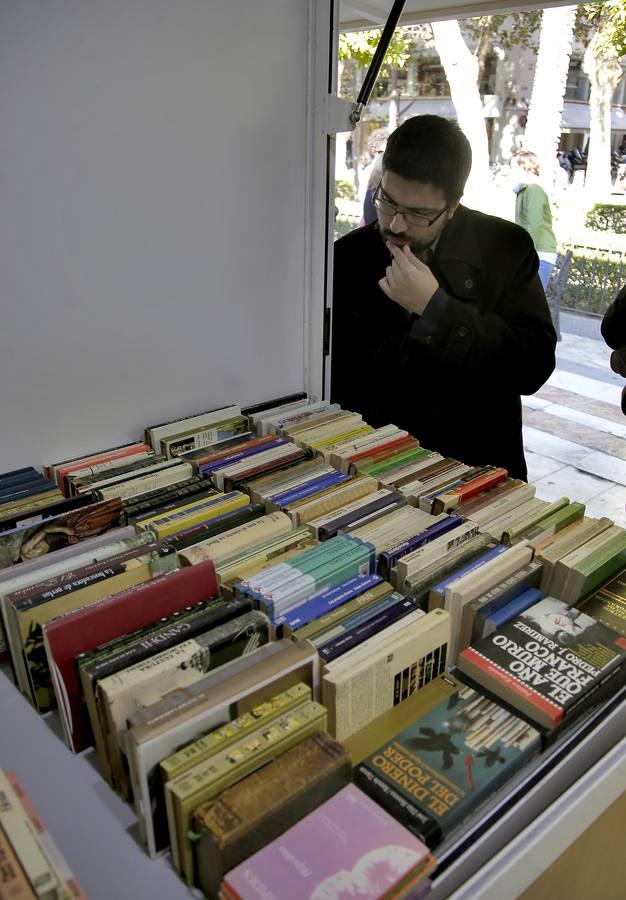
x=576, y=117
x=355, y=15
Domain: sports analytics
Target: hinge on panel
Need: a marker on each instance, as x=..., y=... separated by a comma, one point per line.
x=327, y=331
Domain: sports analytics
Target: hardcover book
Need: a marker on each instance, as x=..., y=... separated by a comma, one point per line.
x=348, y=846
x=436, y=771
x=256, y=810
x=547, y=661
x=109, y=618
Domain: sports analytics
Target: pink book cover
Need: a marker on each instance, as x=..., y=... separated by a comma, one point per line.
x=348, y=847
x=109, y=618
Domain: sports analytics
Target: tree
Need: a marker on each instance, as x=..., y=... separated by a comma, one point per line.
x=461, y=67
x=543, y=128
x=601, y=63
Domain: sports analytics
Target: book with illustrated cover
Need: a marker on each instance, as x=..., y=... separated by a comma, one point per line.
x=154, y=434
x=203, y=437
x=109, y=618
x=137, y=646
x=375, y=856
x=28, y=609
x=547, y=662
x=439, y=769
x=120, y=694
x=256, y=810
x=69, y=528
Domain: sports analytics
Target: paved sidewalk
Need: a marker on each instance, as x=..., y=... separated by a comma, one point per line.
x=574, y=429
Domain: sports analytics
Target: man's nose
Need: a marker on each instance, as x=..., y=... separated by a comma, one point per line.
x=398, y=223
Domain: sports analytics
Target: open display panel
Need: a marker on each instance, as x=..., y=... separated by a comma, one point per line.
x=164, y=241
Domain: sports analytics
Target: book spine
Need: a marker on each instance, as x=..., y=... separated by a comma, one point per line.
x=286, y=498
x=13, y=881
x=17, y=825
x=409, y=814
x=169, y=525
x=360, y=633
x=321, y=603
x=339, y=613
x=388, y=558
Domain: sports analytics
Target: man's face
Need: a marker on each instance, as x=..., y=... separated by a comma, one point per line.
x=414, y=198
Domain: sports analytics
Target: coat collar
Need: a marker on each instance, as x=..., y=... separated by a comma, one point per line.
x=459, y=240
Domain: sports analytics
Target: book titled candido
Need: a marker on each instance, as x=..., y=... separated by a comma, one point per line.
x=347, y=847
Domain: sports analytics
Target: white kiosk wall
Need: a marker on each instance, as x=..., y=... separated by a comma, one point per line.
x=153, y=188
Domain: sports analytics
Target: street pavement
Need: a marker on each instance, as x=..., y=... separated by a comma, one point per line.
x=574, y=429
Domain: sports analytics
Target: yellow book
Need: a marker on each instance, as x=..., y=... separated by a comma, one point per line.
x=195, y=514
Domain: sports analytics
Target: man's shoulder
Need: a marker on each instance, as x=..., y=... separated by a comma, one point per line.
x=492, y=228
x=366, y=235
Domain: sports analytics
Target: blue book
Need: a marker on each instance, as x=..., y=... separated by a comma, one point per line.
x=359, y=617
x=355, y=636
x=311, y=487
x=27, y=470
x=507, y=612
x=440, y=587
x=232, y=458
x=322, y=602
x=388, y=558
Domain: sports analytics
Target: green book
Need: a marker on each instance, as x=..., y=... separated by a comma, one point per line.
x=215, y=774
x=533, y=519
x=553, y=523
x=595, y=569
x=400, y=459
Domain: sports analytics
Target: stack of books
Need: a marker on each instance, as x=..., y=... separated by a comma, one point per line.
x=31, y=863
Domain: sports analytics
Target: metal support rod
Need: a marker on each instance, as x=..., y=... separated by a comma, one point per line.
x=374, y=67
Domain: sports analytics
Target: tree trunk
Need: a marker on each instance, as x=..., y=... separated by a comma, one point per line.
x=543, y=129
x=461, y=68
x=604, y=72
x=394, y=101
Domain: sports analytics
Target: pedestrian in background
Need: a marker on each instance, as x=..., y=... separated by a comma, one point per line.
x=532, y=210
x=614, y=333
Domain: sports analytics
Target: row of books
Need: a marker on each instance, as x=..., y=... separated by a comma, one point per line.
x=31, y=864
x=307, y=582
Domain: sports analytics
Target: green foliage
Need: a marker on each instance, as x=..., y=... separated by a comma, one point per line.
x=594, y=279
x=609, y=19
x=607, y=217
x=345, y=190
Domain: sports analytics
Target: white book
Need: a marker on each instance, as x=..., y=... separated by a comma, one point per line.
x=294, y=406
x=355, y=694
x=329, y=518
x=391, y=478
x=502, y=505
x=236, y=539
x=137, y=486
x=497, y=526
x=267, y=456
x=436, y=549
x=473, y=584
x=275, y=424
x=294, y=481
x=425, y=502
x=339, y=426
x=156, y=433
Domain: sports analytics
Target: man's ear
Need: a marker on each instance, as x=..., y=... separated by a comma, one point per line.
x=453, y=208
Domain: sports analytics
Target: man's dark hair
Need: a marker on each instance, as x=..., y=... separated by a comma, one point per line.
x=430, y=150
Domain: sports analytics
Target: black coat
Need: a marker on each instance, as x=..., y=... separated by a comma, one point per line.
x=614, y=333
x=452, y=377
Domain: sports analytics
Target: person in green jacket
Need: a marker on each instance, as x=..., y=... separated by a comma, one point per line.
x=532, y=210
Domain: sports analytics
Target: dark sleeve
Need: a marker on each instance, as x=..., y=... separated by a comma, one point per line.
x=614, y=322
x=507, y=335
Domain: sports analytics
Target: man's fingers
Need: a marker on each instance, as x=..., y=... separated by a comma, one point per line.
x=384, y=286
x=399, y=256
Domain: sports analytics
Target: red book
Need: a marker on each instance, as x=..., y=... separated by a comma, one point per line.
x=381, y=450
x=109, y=618
x=234, y=448
x=469, y=489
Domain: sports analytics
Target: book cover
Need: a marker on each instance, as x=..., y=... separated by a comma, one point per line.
x=324, y=601
x=348, y=846
x=258, y=809
x=197, y=533
x=69, y=528
x=608, y=605
x=137, y=646
x=14, y=884
x=220, y=771
x=546, y=661
x=111, y=617
x=435, y=772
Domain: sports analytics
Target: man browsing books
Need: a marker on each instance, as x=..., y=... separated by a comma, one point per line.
x=439, y=318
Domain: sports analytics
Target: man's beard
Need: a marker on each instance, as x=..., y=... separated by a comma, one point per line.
x=417, y=247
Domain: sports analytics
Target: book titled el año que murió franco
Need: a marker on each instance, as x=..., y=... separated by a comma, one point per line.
x=548, y=662
x=439, y=769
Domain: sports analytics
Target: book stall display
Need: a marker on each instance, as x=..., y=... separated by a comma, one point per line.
x=290, y=654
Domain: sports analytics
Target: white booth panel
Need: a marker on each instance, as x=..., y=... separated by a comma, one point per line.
x=153, y=189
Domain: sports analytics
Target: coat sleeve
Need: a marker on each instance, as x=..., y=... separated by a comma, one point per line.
x=614, y=322
x=505, y=334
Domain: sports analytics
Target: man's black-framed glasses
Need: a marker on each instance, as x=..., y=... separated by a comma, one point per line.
x=387, y=208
